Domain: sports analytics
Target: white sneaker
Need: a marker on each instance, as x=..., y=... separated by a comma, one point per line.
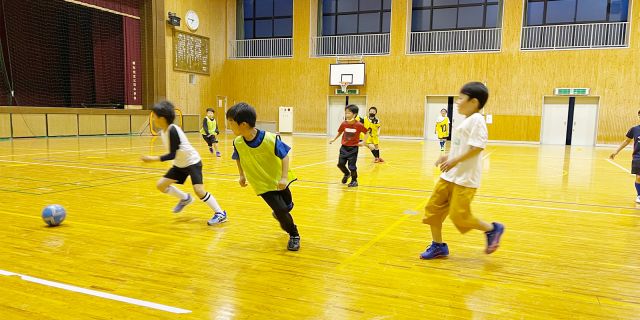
x=638, y=199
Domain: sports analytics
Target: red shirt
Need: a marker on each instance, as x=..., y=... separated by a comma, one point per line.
x=351, y=136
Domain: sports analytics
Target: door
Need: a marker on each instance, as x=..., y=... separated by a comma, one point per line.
x=361, y=102
x=555, y=113
x=335, y=114
x=432, y=111
x=570, y=121
x=585, y=121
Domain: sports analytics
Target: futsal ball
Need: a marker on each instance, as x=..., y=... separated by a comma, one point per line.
x=53, y=215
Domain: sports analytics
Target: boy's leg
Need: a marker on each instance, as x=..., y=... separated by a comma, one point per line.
x=207, y=198
x=342, y=164
x=635, y=169
x=436, y=211
x=164, y=185
x=460, y=210
x=287, y=197
x=175, y=175
x=207, y=140
x=437, y=208
x=353, y=159
x=277, y=200
x=219, y=216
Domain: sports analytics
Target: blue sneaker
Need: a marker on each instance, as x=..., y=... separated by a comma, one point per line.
x=493, y=237
x=183, y=203
x=435, y=250
x=218, y=218
x=218, y=154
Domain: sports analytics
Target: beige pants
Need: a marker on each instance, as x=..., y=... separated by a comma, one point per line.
x=453, y=200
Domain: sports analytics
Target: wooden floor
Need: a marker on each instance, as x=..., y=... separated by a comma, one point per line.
x=570, y=251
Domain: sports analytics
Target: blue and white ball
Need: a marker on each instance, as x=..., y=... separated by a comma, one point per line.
x=53, y=215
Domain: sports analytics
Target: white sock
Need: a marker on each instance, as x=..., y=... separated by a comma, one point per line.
x=171, y=190
x=211, y=202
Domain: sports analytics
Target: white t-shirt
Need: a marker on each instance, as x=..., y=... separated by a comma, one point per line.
x=174, y=139
x=471, y=132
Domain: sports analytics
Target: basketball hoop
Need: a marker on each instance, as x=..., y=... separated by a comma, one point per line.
x=344, y=85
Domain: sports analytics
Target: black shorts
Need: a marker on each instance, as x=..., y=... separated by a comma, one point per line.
x=347, y=152
x=635, y=166
x=210, y=139
x=180, y=174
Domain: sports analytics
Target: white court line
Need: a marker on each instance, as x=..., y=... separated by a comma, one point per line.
x=94, y=293
x=69, y=151
x=342, y=189
x=556, y=209
x=619, y=166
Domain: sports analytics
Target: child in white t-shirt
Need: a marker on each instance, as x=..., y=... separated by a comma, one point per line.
x=461, y=172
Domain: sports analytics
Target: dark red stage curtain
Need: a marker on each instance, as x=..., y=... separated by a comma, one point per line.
x=108, y=57
x=131, y=7
x=132, y=60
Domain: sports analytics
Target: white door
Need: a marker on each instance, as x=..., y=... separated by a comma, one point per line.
x=585, y=121
x=335, y=114
x=431, y=113
x=554, y=120
x=361, y=102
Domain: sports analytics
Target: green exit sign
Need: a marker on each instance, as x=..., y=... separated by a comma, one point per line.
x=349, y=91
x=571, y=91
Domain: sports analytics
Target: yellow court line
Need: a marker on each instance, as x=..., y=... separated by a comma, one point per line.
x=378, y=237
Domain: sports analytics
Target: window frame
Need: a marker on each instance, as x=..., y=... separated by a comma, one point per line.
x=335, y=14
x=544, y=15
x=485, y=4
x=272, y=18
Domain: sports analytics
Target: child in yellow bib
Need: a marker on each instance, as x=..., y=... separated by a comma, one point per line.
x=209, y=131
x=442, y=128
x=373, y=127
x=263, y=161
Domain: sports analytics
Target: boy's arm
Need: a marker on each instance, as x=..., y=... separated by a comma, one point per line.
x=174, y=144
x=450, y=163
x=243, y=179
x=205, y=126
x=364, y=139
x=284, y=180
x=622, y=146
x=336, y=138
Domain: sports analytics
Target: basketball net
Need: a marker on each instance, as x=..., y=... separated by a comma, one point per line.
x=344, y=86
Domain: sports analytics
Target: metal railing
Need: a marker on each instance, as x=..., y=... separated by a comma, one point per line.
x=592, y=35
x=361, y=44
x=474, y=40
x=261, y=48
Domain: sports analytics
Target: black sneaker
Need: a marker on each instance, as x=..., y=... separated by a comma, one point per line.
x=294, y=243
x=345, y=178
x=354, y=183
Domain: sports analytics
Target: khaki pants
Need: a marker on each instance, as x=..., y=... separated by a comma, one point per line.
x=453, y=200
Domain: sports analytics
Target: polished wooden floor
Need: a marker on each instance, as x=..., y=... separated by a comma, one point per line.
x=570, y=250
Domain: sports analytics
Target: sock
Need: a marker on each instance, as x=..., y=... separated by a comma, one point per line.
x=171, y=190
x=376, y=153
x=638, y=188
x=211, y=202
x=373, y=152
